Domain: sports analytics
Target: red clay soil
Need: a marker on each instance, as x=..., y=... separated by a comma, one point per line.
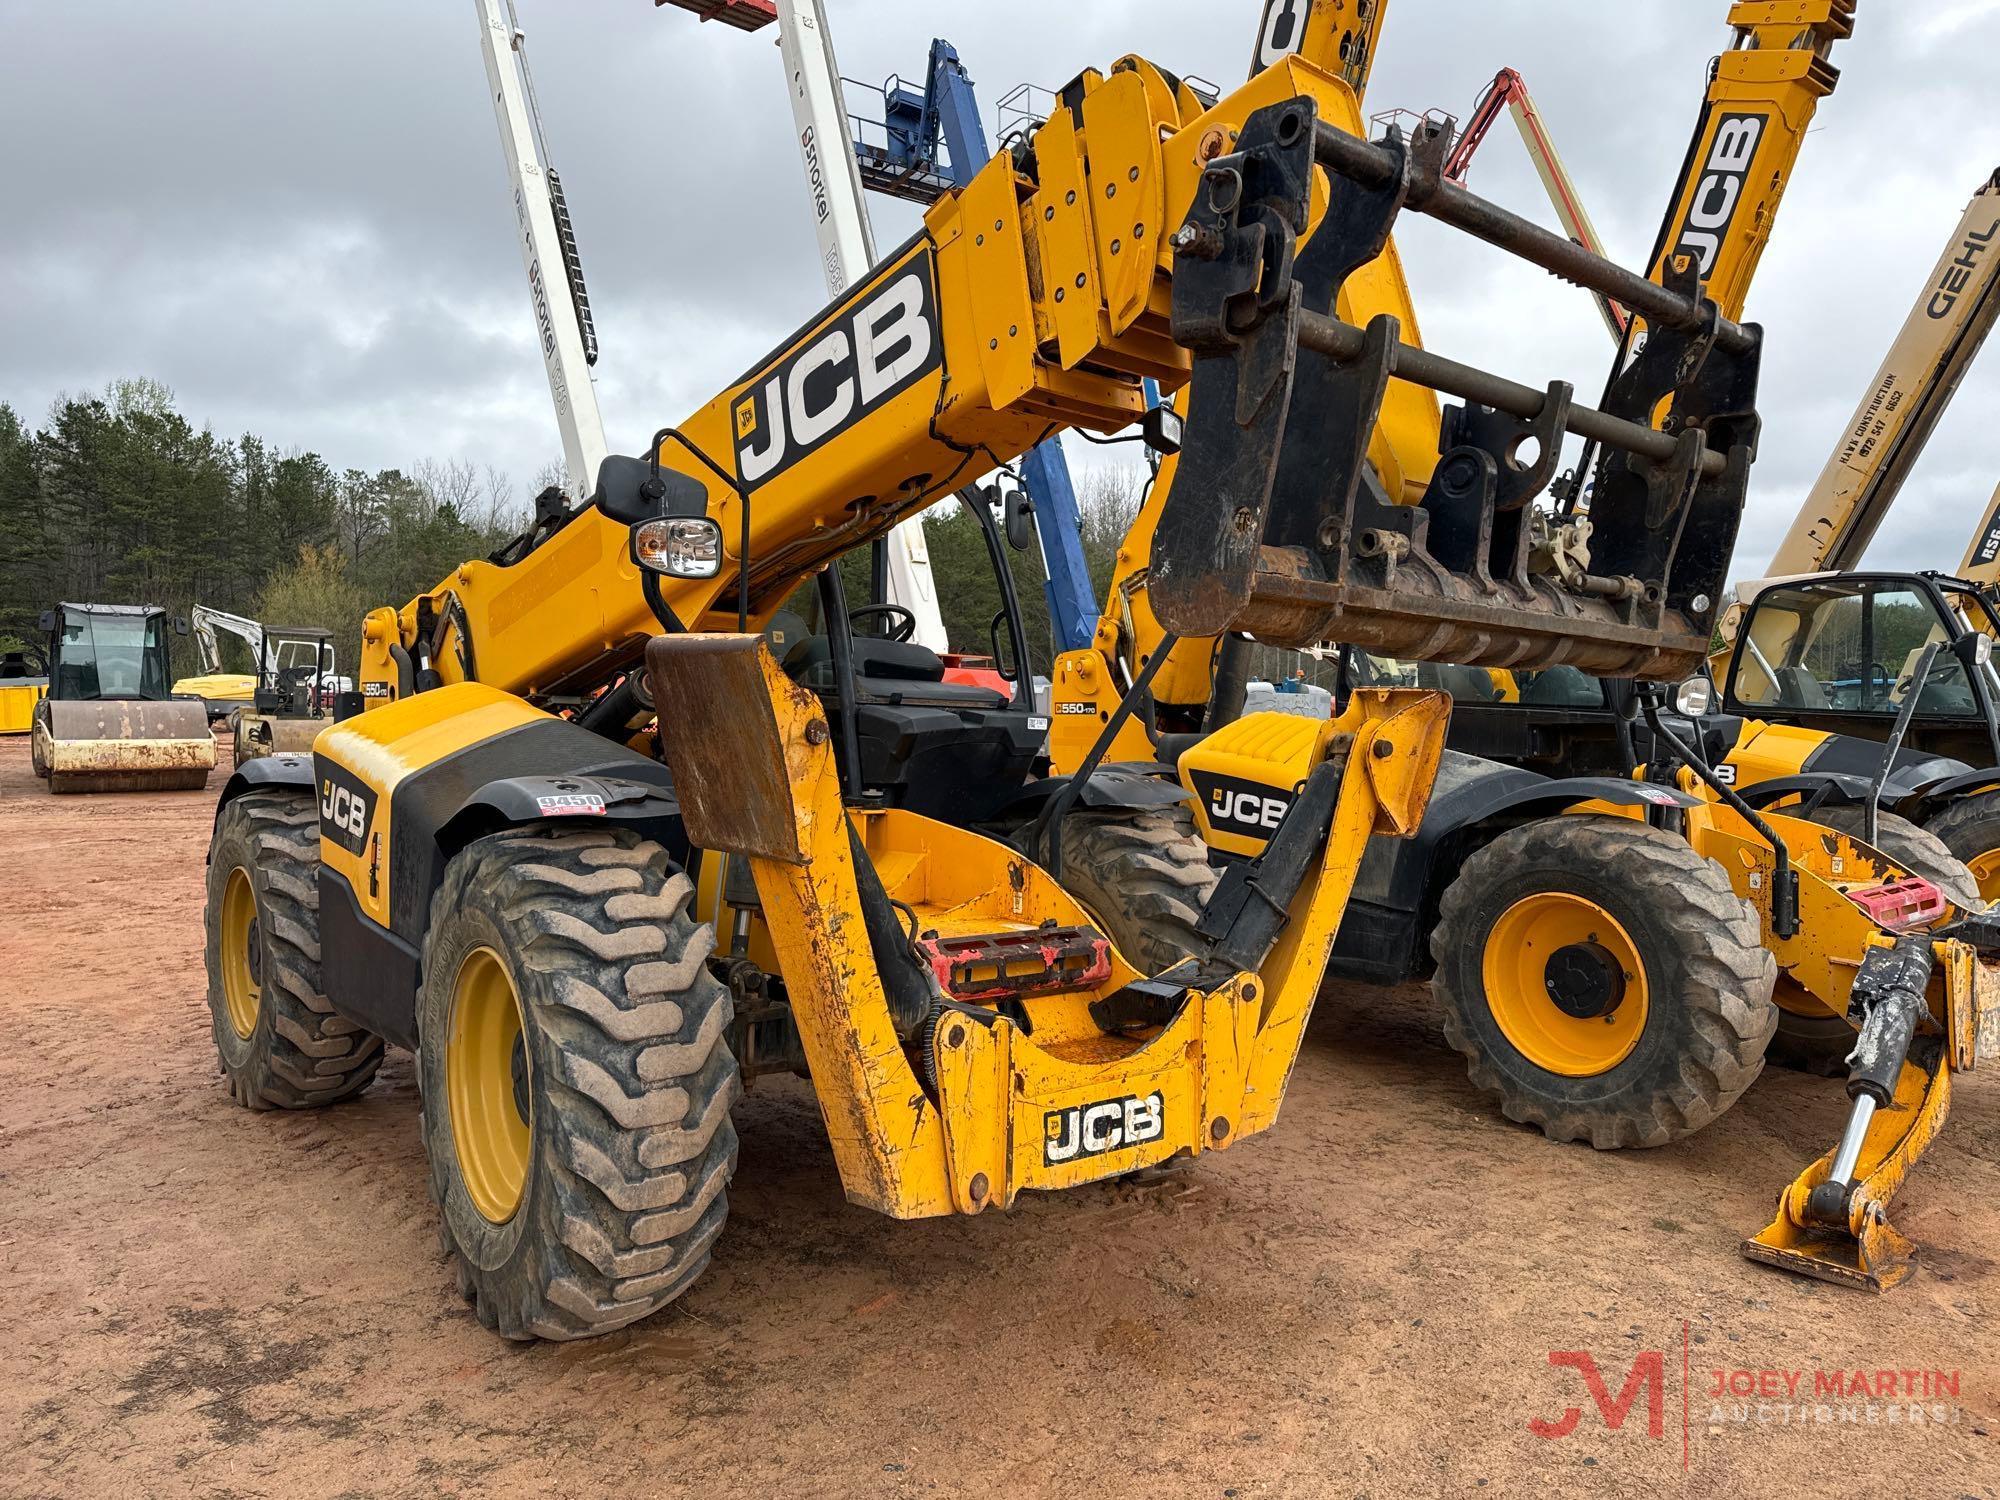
x=198, y=1300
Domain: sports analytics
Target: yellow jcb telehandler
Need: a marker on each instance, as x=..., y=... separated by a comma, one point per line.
x=597, y=854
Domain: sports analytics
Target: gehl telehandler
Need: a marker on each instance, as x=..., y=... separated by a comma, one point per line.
x=1610, y=974
x=493, y=865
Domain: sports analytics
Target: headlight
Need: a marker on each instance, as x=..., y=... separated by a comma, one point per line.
x=678, y=547
x=1694, y=697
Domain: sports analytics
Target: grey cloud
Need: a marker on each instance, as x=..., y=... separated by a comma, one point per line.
x=296, y=216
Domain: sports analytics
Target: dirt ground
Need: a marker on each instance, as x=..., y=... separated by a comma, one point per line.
x=1364, y=1302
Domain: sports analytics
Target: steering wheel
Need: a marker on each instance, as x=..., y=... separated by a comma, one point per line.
x=903, y=623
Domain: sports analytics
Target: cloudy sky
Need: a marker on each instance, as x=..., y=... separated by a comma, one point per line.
x=295, y=213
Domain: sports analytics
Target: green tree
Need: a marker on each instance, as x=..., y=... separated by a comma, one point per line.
x=315, y=590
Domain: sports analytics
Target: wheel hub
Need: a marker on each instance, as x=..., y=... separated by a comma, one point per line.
x=1565, y=983
x=488, y=1076
x=241, y=950
x=1585, y=980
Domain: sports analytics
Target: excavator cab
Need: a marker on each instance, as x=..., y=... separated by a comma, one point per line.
x=110, y=721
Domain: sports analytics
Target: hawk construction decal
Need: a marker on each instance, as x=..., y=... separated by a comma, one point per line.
x=1248, y=809
x=1086, y=1130
x=881, y=342
x=346, y=806
x=1719, y=192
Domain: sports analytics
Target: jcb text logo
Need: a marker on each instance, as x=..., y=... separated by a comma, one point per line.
x=876, y=346
x=1087, y=1130
x=1248, y=809
x=346, y=807
x=1720, y=191
x=1251, y=808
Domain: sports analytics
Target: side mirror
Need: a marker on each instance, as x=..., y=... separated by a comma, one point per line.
x=1974, y=650
x=47, y=623
x=180, y=625
x=1694, y=697
x=1017, y=513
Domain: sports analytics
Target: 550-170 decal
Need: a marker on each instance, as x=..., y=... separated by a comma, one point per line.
x=881, y=342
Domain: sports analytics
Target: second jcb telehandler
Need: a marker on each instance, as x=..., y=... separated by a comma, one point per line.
x=597, y=854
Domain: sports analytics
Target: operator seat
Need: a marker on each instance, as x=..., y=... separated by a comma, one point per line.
x=895, y=671
x=1798, y=688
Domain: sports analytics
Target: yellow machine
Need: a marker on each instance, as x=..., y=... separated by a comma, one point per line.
x=1566, y=1010
x=1758, y=106
x=108, y=722
x=22, y=685
x=569, y=748
x=1817, y=679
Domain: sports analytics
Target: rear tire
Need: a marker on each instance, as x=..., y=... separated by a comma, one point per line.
x=1637, y=896
x=1820, y=1044
x=618, y=1073
x=1970, y=828
x=280, y=1043
x=1916, y=849
x=1145, y=875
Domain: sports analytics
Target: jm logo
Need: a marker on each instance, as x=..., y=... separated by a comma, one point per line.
x=1648, y=1373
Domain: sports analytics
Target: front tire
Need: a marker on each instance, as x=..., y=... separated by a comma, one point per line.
x=1602, y=981
x=1145, y=875
x=280, y=1044
x=577, y=1081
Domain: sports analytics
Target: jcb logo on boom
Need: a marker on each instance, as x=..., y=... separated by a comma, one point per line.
x=1719, y=192
x=1086, y=1130
x=346, y=807
x=1958, y=275
x=883, y=340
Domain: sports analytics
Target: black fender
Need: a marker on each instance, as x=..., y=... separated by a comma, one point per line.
x=543, y=772
x=266, y=770
x=1136, y=785
x=1383, y=938
x=1933, y=795
x=1814, y=786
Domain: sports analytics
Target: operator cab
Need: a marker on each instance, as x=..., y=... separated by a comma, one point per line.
x=914, y=729
x=1840, y=652
x=295, y=674
x=108, y=652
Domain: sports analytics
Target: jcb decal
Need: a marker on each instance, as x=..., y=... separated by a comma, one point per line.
x=346, y=807
x=880, y=343
x=1283, y=31
x=1086, y=1130
x=1248, y=809
x=1719, y=193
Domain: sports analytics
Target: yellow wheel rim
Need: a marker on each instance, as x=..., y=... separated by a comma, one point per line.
x=242, y=954
x=1985, y=869
x=486, y=1081
x=1565, y=984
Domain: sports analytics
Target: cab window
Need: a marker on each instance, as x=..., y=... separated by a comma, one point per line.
x=1848, y=648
